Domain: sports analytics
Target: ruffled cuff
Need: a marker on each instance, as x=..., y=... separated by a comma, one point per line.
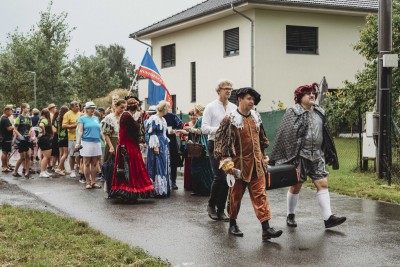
x=153, y=141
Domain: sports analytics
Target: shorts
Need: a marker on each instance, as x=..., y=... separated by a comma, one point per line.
x=315, y=169
x=23, y=144
x=90, y=149
x=44, y=143
x=63, y=143
x=71, y=148
x=6, y=146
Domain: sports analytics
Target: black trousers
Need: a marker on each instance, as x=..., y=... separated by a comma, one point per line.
x=219, y=187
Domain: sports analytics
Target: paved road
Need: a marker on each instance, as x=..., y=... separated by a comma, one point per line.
x=179, y=230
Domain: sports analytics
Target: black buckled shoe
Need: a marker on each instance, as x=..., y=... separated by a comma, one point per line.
x=270, y=233
x=334, y=221
x=234, y=230
x=290, y=220
x=222, y=217
x=212, y=213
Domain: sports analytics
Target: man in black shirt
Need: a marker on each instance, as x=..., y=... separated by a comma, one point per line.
x=6, y=129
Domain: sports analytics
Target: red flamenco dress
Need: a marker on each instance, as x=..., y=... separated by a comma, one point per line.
x=130, y=178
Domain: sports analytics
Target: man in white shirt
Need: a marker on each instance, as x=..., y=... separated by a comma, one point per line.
x=212, y=117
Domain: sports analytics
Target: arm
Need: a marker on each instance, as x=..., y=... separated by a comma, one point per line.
x=206, y=124
x=79, y=135
x=223, y=146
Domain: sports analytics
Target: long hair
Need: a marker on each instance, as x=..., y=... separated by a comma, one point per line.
x=60, y=117
x=45, y=114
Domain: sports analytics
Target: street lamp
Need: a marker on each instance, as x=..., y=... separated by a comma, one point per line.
x=34, y=85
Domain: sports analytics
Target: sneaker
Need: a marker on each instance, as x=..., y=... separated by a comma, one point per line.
x=49, y=173
x=82, y=179
x=174, y=186
x=44, y=175
x=334, y=221
x=72, y=174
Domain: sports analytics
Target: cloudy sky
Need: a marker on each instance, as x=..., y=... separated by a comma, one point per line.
x=97, y=21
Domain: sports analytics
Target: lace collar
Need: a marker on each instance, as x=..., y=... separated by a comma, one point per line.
x=237, y=118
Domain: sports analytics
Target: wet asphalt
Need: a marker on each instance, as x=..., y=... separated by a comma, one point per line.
x=178, y=229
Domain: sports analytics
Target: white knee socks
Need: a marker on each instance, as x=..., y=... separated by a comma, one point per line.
x=324, y=202
x=292, y=200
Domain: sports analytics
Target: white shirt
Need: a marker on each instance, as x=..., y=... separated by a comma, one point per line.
x=213, y=114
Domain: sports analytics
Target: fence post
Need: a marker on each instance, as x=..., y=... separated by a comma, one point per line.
x=360, y=138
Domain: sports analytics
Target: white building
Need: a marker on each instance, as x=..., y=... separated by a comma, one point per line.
x=294, y=42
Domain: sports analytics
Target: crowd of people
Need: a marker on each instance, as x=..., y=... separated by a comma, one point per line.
x=138, y=152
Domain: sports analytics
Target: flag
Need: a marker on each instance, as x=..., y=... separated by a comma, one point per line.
x=323, y=90
x=157, y=89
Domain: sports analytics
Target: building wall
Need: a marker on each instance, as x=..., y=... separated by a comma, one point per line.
x=278, y=74
x=204, y=45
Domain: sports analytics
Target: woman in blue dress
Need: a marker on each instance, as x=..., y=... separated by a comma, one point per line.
x=158, y=162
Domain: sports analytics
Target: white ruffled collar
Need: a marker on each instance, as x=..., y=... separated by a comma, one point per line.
x=237, y=118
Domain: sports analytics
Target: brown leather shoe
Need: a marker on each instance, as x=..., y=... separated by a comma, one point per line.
x=212, y=213
x=222, y=217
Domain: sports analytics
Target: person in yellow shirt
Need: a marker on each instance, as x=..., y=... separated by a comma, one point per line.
x=70, y=123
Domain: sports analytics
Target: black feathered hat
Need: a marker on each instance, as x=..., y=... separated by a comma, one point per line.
x=248, y=90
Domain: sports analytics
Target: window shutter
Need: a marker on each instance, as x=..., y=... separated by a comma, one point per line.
x=193, y=80
x=168, y=56
x=301, y=39
x=231, y=39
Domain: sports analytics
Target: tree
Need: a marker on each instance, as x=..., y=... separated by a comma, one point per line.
x=118, y=64
x=343, y=106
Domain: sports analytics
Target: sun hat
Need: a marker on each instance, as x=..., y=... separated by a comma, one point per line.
x=90, y=104
x=52, y=105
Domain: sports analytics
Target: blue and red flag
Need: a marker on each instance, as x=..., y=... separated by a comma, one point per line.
x=157, y=89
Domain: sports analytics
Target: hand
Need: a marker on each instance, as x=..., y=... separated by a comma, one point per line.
x=76, y=146
x=186, y=128
x=265, y=160
x=111, y=150
x=230, y=171
x=156, y=150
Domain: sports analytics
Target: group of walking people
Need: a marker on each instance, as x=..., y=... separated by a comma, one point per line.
x=139, y=150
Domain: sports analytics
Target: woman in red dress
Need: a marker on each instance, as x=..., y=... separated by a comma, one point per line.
x=187, y=184
x=130, y=178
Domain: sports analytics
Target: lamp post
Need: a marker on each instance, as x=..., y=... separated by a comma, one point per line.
x=34, y=85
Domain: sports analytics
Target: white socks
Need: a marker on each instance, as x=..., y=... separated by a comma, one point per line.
x=292, y=200
x=324, y=202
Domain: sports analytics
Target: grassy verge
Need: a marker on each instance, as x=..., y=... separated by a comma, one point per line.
x=348, y=181
x=36, y=238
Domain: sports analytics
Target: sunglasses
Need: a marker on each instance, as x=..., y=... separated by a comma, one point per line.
x=312, y=93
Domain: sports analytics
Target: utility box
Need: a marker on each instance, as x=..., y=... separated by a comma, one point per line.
x=372, y=123
x=390, y=61
x=369, y=148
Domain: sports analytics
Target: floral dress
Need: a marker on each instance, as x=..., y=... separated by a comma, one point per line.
x=158, y=165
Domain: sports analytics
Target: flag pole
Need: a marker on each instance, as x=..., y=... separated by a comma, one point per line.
x=133, y=83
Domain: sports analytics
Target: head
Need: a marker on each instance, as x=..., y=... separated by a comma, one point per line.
x=198, y=110
x=224, y=89
x=247, y=98
x=114, y=98
x=52, y=108
x=152, y=110
x=25, y=108
x=74, y=106
x=90, y=108
x=45, y=113
x=102, y=112
x=120, y=106
x=192, y=116
x=63, y=110
x=306, y=94
x=132, y=103
x=35, y=112
x=163, y=107
x=97, y=114
x=8, y=110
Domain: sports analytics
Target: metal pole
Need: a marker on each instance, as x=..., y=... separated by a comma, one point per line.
x=34, y=88
x=385, y=83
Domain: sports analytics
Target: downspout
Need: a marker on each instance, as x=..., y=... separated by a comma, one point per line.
x=251, y=42
x=151, y=48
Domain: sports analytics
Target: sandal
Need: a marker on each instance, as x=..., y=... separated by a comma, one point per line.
x=96, y=186
x=88, y=186
x=6, y=170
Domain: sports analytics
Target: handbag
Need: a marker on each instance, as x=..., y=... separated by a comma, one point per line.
x=281, y=176
x=194, y=150
x=123, y=164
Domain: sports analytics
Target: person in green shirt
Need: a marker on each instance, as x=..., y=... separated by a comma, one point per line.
x=44, y=142
x=23, y=125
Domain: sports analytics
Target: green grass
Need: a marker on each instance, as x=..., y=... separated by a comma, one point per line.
x=350, y=181
x=31, y=237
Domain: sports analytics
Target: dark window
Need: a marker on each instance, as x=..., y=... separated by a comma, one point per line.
x=193, y=80
x=168, y=56
x=301, y=40
x=231, y=42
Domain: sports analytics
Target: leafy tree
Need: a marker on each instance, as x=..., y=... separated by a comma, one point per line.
x=343, y=106
x=118, y=64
